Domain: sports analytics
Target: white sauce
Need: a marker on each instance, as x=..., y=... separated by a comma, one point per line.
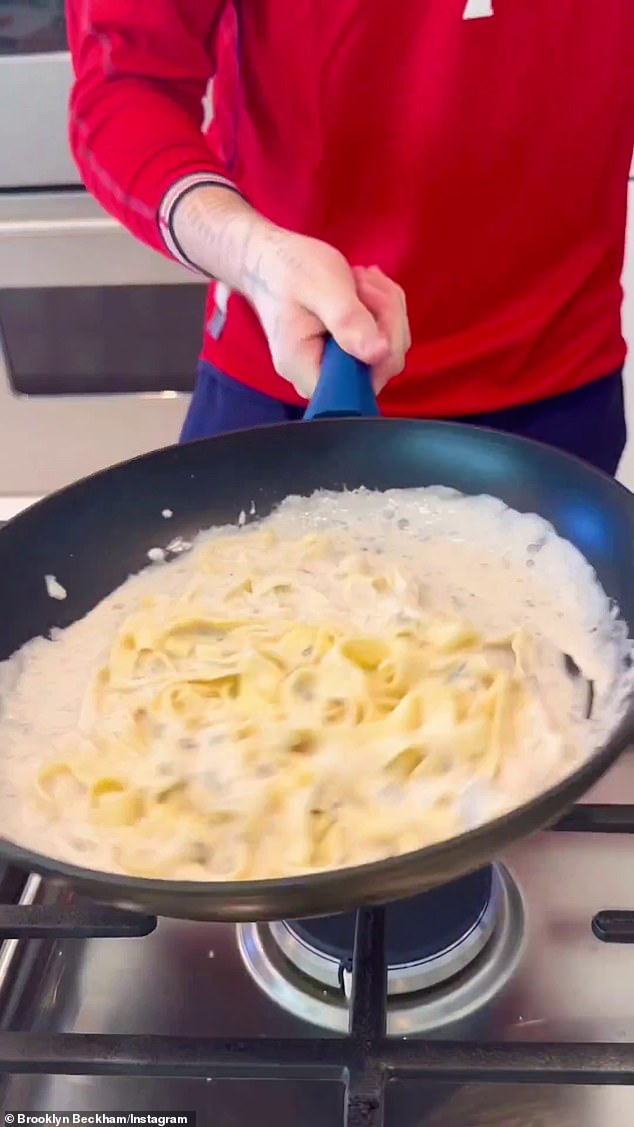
x=494, y=566
x=156, y=555
x=54, y=588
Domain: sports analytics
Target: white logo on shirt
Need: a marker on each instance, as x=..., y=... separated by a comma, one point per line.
x=478, y=9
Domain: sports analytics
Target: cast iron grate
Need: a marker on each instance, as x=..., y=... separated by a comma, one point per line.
x=365, y=1060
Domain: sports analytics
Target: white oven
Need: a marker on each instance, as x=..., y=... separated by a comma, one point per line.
x=98, y=341
x=99, y=335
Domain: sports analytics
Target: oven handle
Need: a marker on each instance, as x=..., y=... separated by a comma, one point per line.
x=44, y=250
x=26, y=228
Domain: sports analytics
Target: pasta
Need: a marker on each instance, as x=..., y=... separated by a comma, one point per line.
x=256, y=723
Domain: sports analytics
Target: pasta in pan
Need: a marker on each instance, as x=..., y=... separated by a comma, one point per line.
x=298, y=705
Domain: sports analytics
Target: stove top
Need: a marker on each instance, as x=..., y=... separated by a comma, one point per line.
x=105, y=1011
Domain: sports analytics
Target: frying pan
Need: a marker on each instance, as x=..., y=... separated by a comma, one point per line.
x=95, y=533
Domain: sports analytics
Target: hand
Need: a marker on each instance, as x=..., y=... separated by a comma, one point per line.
x=302, y=290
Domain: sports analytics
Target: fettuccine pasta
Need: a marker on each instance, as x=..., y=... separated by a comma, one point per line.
x=257, y=723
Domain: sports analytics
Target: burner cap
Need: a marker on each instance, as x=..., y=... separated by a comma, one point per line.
x=429, y=938
x=420, y=927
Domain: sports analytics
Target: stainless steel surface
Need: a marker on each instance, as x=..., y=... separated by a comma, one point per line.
x=190, y=979
x=34, y=93
x=402, y=978
x=65, y=239
x=449, y=1004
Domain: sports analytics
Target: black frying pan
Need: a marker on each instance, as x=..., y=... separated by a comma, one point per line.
x=94, y=534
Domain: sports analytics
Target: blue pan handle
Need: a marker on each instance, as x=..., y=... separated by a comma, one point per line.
x=344, y=389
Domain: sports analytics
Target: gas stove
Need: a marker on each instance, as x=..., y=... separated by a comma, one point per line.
x=526, y=1019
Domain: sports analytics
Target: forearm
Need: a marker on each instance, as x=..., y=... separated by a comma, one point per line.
x=221, y=235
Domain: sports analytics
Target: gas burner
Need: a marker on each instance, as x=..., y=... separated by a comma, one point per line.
x=429, y=938
x=449, y=953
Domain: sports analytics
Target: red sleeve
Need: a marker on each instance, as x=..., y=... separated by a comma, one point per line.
x=141, y=70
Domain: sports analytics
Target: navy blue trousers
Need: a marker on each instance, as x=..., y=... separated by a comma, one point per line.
x=588, y=422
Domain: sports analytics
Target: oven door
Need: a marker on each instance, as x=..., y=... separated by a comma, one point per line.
x=99, y=338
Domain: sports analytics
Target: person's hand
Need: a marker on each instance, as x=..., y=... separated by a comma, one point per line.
x=303, y=290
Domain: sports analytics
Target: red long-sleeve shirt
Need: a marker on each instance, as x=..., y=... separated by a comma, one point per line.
x=477, y=151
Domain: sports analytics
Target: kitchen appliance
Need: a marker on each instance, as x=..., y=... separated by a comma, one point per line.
x=105, y=1012
x=99, y=336
x=210, y=483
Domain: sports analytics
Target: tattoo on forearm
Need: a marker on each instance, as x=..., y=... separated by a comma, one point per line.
x=231, y=244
